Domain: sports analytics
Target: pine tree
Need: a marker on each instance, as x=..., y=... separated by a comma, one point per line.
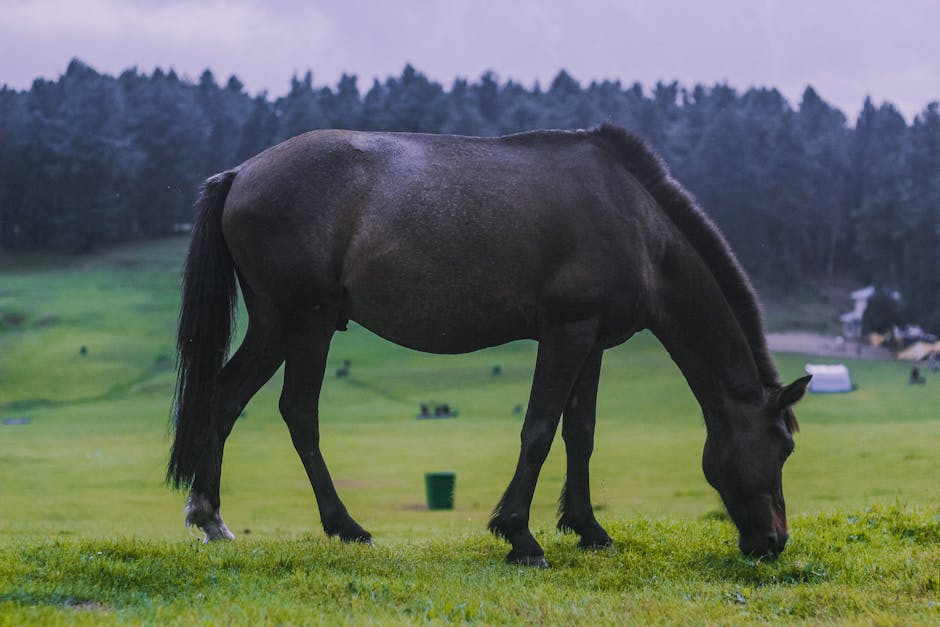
x=299, y=111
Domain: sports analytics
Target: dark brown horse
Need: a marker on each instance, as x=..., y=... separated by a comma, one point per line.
x=451, y=244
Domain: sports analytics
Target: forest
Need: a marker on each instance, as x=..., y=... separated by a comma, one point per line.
x=805, y=197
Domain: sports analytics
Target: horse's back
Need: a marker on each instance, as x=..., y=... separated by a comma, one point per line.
x=440, y=243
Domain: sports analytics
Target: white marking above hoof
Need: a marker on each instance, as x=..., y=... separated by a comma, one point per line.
x=202, y=515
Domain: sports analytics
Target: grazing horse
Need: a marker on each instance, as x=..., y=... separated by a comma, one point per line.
x=444, y=244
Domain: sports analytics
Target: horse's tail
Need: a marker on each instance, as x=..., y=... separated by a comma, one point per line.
x=205, y=329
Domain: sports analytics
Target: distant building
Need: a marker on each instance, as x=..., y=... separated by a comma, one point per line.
x=852, y=321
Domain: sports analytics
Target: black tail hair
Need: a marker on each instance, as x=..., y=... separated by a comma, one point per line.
x=206, y=323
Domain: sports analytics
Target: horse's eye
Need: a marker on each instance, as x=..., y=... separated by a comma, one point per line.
x=788, y=449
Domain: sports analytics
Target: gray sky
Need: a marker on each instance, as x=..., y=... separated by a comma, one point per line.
x=845, y=49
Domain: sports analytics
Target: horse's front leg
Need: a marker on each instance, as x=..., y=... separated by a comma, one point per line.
x=574, y=507
x=561, y=355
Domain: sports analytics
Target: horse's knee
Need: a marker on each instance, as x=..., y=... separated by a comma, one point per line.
x=579, y=449
x=301, y=422
x=536, y=442
x=577, y=429
x=578, y=433
x=536, y=450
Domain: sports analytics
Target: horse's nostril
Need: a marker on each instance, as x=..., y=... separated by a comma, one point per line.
x=771, y=546
x=768, y=545
x=775, y=544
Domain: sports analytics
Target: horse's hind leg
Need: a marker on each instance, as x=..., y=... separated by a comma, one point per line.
x=562, y=353
x=255, y=361
x=303, y=377
x=576, y=513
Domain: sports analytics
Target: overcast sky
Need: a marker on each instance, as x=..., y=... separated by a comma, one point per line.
x=846, y=49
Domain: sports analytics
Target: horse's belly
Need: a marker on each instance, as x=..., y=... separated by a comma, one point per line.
x=440, y=321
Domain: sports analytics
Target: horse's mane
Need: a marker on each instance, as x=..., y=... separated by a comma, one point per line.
x=649, y=169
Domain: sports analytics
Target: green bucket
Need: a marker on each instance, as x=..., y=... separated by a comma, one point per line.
x=439, y=487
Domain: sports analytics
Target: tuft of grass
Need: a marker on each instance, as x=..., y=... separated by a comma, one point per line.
x=875, y=565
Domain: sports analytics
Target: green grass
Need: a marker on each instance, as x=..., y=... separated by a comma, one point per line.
x=85, y=476
x=877, y=565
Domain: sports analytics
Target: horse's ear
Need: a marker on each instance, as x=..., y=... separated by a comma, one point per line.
x=788, y=396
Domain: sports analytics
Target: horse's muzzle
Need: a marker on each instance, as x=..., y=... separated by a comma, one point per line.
x=768, y=545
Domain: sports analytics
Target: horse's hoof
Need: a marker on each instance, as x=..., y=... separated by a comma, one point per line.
x=367, y=540
x=597, y=544
x=229, y=537
x=217, y=532
x=532, y=561
x=359, y=538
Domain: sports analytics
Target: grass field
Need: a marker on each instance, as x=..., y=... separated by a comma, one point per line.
x=87, y=530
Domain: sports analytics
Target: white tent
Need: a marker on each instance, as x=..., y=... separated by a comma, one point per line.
x=829, y=378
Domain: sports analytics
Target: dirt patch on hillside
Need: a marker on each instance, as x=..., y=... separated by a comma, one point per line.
x=824, y=345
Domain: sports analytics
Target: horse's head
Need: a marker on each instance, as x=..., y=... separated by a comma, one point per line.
x=743, y=460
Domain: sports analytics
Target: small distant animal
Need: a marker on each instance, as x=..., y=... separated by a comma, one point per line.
x=343, y=371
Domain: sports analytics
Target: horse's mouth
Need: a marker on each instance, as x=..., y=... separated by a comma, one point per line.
x=768, y=545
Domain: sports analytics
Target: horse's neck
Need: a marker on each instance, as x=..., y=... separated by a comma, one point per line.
x=699, y=330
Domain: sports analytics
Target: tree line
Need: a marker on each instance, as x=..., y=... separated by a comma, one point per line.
x=802, y=195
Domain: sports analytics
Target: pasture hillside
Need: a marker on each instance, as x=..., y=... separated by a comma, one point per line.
x=86, y=370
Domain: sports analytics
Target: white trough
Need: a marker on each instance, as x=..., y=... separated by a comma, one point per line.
x=828, y=378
